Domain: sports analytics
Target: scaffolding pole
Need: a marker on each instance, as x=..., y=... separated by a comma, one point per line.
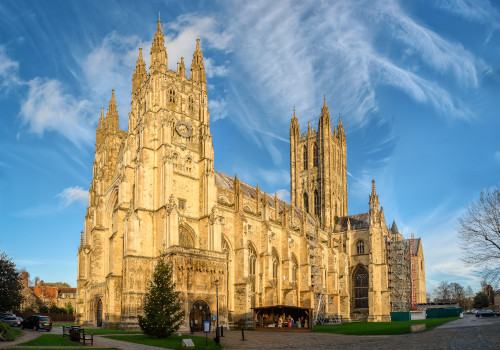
x=324, y=306
x=400, y=273
x=413, y=275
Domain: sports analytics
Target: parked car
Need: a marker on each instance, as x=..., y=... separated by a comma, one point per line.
x=5, y=314
x=37, y=322
x=485, y=313
x=12, y=321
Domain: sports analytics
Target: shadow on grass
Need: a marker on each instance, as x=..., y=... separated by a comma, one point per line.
x=380, y=328
x=172, y=342
x=51, y=340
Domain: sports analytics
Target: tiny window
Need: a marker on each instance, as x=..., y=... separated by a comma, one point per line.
x=182, y=204
x=191, y=103
x=360, y=247
x=304, y=155
x=172, y=96
x=316, y=155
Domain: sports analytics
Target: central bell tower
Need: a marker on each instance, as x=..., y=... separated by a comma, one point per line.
x=318, y=169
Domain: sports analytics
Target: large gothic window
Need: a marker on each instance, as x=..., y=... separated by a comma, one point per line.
x=361, y=288
x=185, y=238
x=316, y=155
x=317, y=209
x=304, y=156
x=306, y=203
x=360, y=247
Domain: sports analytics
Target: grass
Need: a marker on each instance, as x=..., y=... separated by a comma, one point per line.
x=64, y=348
x=101, y=331
x=380, y=328
x=172, y=342
x=51, y=340
x=16, y=331
x=64, y=324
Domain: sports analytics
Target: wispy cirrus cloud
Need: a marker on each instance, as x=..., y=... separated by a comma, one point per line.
x=73, y=194
x=480, y=11
x=299, y=51
x=9, y=71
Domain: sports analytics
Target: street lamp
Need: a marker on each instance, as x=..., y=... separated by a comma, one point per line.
x=217, y=334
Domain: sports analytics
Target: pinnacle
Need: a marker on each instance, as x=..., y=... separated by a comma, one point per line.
x=158, y=29
x=140, y=54
x=112, y=94
x=198, y=44
x=373, y=186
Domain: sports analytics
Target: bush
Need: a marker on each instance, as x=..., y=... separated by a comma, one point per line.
x=43, y=309
x=6, y=333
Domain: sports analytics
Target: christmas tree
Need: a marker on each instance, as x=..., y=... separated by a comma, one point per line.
x=163, y=312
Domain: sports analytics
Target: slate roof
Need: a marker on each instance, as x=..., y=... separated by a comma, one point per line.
x=358, y=221
x=227, y=182
x=417, y=244
x=394, y=228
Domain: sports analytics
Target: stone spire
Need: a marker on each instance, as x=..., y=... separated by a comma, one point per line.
x=197, y=67
x=374, y=203
x=394, y=228
x=181, y=68
x=140, y=73
x=158, y=55
x=101, y=128
x=112, y=119
x=294, y=125
x=340, y=128
x=325, y=113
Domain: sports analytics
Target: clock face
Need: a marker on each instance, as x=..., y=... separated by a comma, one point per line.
x=183, y=128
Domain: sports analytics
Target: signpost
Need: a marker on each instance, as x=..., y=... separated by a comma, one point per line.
x=206, y=329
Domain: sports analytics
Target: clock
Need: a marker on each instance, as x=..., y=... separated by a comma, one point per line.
x=183, y=128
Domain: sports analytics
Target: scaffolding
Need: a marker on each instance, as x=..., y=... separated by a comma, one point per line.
x=400, y=273
x=324, y=307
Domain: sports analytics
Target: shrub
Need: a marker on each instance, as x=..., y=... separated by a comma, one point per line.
x=6, y=333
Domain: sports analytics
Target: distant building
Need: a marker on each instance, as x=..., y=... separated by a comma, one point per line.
x=41, y=294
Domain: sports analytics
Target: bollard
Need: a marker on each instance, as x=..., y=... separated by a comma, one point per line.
x=242, y=334
x=221, y=331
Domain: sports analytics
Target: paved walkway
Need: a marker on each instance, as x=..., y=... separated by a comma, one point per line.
x=464, y=334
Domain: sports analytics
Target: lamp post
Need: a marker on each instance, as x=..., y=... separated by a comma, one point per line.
x=217, y=334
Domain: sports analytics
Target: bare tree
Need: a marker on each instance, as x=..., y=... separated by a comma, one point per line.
x=479, y=234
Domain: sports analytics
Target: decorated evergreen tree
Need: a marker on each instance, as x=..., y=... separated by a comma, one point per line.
x=163, y=312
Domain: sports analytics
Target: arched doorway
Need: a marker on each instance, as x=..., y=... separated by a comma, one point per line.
x=99, y=313
x=200, y=311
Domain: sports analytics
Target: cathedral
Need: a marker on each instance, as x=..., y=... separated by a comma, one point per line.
x=155, y=191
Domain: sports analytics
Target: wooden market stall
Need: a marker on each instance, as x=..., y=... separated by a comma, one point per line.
x=283, y=318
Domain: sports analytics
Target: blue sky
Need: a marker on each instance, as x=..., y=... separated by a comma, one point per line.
x=417, y=84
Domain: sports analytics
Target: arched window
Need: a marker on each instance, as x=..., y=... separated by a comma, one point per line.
x=306, y=203
x=304, y=156
x=295, y=267
x=252, y=260
x=361, y=288
x=275, y=266
x=317, y=208
x=360, y=246
x=185, y=238
x=171, y=94
x=316, y=155
x=191, y=103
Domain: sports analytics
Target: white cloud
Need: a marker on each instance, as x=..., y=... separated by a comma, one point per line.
x=218, y=109
x=47, y=107
x=480, y=11
x=497, y=156
x=9, y=71
x=277, y=177
x=284, y=195
x=73, y=194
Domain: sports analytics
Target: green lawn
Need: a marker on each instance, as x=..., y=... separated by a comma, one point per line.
x=63, y=348
x=101, y=331
x=16, y=331
x=380, y=328
x=63, y=324
x=51, y=340
x=172, y=342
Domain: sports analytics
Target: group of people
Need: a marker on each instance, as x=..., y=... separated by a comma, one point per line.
x=282, y=321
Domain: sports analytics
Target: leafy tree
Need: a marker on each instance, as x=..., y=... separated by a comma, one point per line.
x=43, y=309
x=163, y=312
x=10, y=284
x=481, y=300
x=479, y=234
x=69, y=308
x=58, y=284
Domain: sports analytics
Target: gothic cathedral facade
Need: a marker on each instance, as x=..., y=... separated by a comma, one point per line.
x=155, y=191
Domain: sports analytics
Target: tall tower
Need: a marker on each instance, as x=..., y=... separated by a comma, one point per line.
x=318, y=169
